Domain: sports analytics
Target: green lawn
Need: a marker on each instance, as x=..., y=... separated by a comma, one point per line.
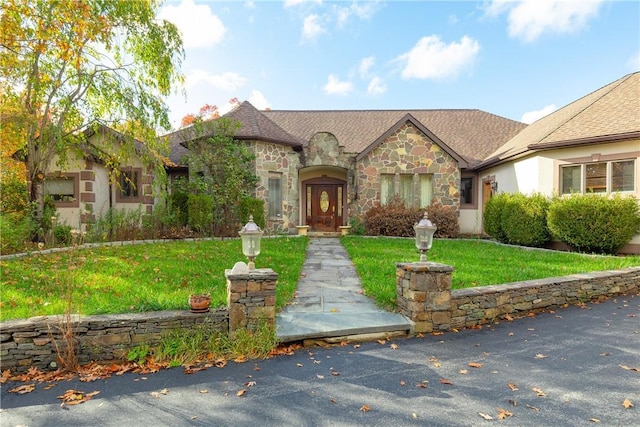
x=476, y=262
x=118, y=279
x=161, y=276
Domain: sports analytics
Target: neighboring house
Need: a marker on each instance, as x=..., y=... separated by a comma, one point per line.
x=88, y=186
x=323, y=168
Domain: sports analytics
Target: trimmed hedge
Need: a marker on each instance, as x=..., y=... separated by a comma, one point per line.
x=524, y=220
x=592, y=223
x=255, y=207
x=492, y=218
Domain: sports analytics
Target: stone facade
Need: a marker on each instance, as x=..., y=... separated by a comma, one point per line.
x=32, y=342
x=251, y=298
x=424, y=295
x=275, y=160
x=408, y=151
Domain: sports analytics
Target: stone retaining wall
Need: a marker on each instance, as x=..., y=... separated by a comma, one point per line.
x=32, y=342
x=424, y=295
x=475, y=306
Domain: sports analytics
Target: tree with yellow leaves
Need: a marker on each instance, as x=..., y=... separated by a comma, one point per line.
x=66, y=65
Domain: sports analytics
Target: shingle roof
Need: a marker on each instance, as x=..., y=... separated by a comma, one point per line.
x=610, y=113
x=473, y=134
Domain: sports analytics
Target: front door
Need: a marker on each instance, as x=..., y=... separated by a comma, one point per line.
x=324, y=212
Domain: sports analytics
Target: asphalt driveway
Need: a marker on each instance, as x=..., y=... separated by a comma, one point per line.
x=576, y=366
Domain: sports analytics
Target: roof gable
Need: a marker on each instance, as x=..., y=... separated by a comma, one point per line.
x=608, y=114
x=255, y=125
x=410, y=119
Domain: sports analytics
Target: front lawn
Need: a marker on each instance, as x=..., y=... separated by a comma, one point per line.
x=145, y=277
x=476, y=262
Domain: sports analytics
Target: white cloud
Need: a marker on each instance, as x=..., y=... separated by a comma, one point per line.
x=365, y=66
x=529, y=19
x=198, y=25
x=363, y=10
x=431, y=58
x=532, y=116
x=292, y=3
x=312, y=28
x=250, y=4
x=228, y=81
x=258, y=100
x=336, y=87
x=376, y=86
x=634, y=61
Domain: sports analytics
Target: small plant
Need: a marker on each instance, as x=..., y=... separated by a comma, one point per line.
x=357, y=226
x=138, y=354
x=524, y=220
x=492, y=218
x=392, y=219
x=446, y=219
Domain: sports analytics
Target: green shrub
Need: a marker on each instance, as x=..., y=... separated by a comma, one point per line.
x=14, y=197
x=255, y=207
x=200, y=212
x=492, y=218
x=446, y=219
x=116, y=225
x=524, y=220
x=392, y=219
x=591, y=223
x=177, y=206
x=62, y=235
x=16, y=230
x=357, y=226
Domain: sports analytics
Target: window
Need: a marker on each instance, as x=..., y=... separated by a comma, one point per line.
x=466, y=191
x=275, y=196
x=130, y=186
x=403, y=186
x=62, y=189
x=600, y=177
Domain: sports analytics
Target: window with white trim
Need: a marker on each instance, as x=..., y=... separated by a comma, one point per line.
x=60, y=189
x=407, y=187
x=599, y=177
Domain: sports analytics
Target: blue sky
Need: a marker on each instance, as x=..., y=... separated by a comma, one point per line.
x=517, y=59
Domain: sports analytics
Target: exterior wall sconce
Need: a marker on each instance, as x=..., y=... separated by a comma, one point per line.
x=251, y=235
x=494, y=186
x=424, y=236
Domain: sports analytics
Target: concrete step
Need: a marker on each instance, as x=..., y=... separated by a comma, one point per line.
x=300, y=326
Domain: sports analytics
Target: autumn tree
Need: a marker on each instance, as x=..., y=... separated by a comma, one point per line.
x=221, y=167
x=69, y=64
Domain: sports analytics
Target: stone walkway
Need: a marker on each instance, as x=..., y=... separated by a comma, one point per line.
x=329, y=301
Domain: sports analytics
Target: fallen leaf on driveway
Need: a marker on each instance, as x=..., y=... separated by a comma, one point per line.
x=394, y=346
x=627, y=368
x=533, y=408
x=203, y=391
x=541, y=356
x=365, y=408
x=503, y=413
x=75, y=397
x=23, y=389
x=445, y=381
x=463, y=371
x=475, y=365
x=382, y=342
x=594, y=420
x=485, y=416
x=539, y=392
x=513, y=387
x=627, y=404
x=241, y=393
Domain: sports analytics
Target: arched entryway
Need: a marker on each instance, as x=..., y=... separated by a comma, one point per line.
x=324, y=203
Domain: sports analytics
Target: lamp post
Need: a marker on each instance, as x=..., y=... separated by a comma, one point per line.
x=424, y=236
x=251, y=235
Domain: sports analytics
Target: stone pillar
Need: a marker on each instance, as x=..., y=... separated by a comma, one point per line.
x=251, y=297
x=424, y=294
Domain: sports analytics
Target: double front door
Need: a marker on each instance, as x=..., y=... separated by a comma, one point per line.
x=324, y=206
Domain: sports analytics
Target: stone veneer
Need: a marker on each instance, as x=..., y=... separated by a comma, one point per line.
x=32, y=342
x=251, y=298
x=424, y=295
x=282, y=161
x=408, y=151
